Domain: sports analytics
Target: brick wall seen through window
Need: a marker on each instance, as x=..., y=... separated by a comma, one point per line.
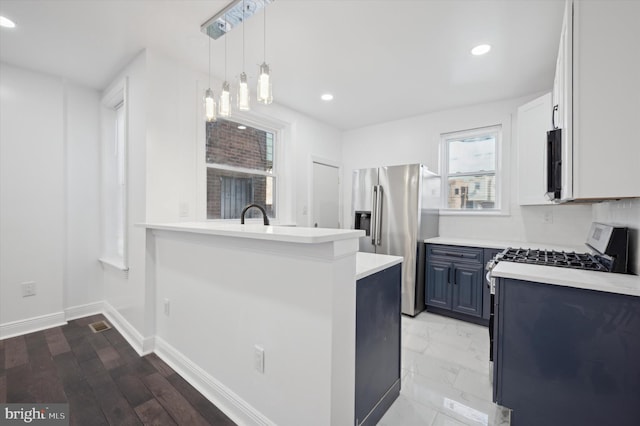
x=240, y=169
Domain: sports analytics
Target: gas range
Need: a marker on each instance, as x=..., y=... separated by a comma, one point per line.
x=609, y=245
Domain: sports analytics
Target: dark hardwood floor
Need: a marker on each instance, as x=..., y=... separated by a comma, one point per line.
x=102, y=378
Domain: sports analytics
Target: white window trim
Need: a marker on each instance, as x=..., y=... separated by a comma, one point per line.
x=256, y=123
x=501, y=196
x=116, y=96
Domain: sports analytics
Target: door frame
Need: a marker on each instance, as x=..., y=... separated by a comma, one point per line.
x=330, y=163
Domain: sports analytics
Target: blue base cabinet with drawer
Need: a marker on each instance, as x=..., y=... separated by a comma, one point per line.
x=455, y=282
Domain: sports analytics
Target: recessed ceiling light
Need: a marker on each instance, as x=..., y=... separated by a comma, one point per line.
x=241, y=127
x=6, y=22
x=481, y=49
x=327, y=97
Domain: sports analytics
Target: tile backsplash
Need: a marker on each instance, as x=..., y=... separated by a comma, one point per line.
x=624, y=213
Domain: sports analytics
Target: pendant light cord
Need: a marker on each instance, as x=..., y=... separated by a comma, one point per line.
x=209, y=61
x=264, y=38
x=243, y=8
x=225, y=47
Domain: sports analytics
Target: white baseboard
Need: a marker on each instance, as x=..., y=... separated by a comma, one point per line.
x=29, y=325
x=236, y=408
x=141, y=345
x=82, y=311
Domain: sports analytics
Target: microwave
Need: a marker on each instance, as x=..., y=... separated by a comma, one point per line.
x=554, y=164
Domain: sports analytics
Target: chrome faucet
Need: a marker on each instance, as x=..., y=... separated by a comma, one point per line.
x=259, y=207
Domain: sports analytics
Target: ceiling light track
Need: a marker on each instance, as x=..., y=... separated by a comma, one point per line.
x=232, y=16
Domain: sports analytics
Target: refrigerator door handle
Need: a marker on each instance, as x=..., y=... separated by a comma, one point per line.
x=374, y=218
x=378, y=215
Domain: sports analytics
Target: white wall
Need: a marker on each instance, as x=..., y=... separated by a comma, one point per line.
x=125, y=292
x=32, y=193
x=624, y=213
x=48, y=163
x=417, y=140
x=172, y=137
x=83, y=276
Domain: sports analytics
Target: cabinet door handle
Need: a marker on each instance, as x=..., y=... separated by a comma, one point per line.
x=553, y=117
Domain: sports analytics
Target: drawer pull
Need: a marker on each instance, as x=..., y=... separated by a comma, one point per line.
x=449, y=253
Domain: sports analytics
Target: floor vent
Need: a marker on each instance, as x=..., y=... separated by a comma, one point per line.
x=99, y=326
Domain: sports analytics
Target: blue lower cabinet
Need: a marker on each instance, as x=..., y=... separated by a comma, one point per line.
x=455, y=283
x=566, y=356
x=378, y=299
x=467, y=289
x=438, y=293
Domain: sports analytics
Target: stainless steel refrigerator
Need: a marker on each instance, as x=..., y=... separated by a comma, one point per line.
x=398, y=206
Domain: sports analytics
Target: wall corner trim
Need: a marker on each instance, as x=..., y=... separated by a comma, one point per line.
x=224, y=398
x=143, y=346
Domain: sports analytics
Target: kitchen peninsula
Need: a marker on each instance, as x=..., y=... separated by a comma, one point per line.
x=261, y=319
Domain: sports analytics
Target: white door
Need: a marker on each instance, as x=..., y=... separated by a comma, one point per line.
x=326, y=196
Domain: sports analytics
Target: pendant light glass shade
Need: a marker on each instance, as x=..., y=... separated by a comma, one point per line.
x=209, y=101
x=209, y=106
x=225, y=101
x=243, y=93
x=265, y=95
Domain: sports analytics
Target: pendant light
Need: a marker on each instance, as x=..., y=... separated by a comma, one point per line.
x=209, y=101
x=243, y=86
x=225, y=95
x=265, y=94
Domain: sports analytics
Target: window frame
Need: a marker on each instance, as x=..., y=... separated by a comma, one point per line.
x=114, y=100
x=274, y=174
x=500, y=196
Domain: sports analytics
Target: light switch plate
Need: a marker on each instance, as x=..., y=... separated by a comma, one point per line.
x=258, y=358
x=28, y=288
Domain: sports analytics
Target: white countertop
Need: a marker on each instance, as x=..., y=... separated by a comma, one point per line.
x=370, y=263
x=260, y=232
x=502, y=244
x=568, y=277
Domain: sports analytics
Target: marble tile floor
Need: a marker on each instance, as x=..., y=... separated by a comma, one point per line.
x=445, y=375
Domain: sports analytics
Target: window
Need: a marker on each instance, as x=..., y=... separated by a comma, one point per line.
x=240, y=169
x=470, y=174
x=114, y=178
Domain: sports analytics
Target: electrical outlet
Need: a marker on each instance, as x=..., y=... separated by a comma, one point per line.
x=28, y=288
x=258, y=359
x=167, y=307
x=548, y=216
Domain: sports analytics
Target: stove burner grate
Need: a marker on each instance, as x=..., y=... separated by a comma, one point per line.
x=553, y=258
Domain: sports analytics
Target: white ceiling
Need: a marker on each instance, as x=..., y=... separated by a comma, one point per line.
x=383, y=60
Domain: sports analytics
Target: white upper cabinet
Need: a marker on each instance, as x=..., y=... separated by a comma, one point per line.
x=534, y=120
x=597, y=90
x=561, y=95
